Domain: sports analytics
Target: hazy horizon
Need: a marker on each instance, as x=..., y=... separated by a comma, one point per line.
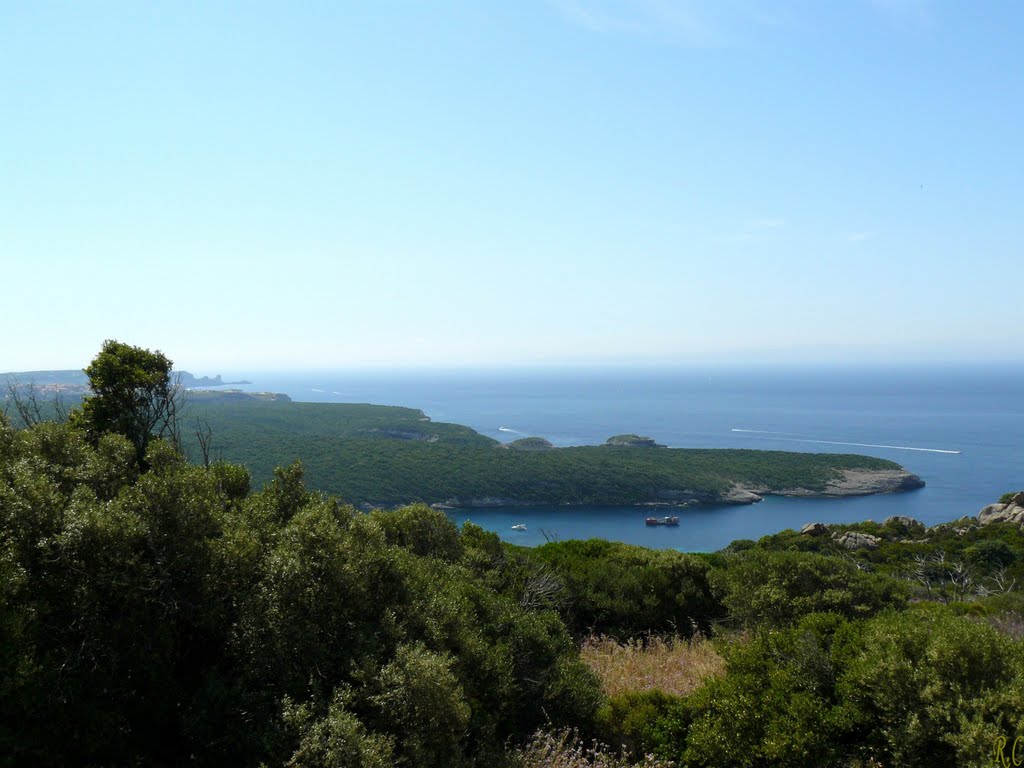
x=765, y=364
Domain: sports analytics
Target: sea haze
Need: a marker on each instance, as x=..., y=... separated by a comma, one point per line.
x=960, y=429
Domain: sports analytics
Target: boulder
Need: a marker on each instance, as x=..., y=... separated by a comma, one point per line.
x=855, y=540
x=1002, y=513
x=815, y=529
x=988, y=514
x=903, y=521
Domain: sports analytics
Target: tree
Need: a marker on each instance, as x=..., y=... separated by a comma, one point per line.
x=133, y=394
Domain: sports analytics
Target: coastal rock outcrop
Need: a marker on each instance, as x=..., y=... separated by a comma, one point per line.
x=737, y=495
x=815, y=529
x=1011, y=512
x=903, y=524
x=862, y=482
x=855, y=540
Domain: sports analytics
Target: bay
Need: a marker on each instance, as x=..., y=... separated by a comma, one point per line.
x=960, y=428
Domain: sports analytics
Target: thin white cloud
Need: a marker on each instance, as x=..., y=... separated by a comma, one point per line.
x=680, y=21
x=860, y=237
x=915, y=12
x=588, y=16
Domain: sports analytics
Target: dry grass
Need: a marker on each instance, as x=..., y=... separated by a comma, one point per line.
x=564, y=749
x=674, y=666
x=1010, y=623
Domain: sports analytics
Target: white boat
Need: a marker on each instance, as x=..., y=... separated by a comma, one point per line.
x=519, y=527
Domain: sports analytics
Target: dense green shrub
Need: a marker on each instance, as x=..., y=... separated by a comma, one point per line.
x=623, y=591
x=926, y=688
x=959, y=561
x=759, y=587
x=920, y=688
x=176, y=616
x=631, y=720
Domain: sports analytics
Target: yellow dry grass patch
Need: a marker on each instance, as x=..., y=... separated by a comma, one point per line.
x=675, y=666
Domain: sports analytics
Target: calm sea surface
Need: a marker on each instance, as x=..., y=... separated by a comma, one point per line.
x=961, y=430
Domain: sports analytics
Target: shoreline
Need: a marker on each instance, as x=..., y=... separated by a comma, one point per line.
x=855, y=483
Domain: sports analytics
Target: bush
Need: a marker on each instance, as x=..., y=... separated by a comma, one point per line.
x=926, y=688
x=919, y=688
x=761, y=588
x=630, y=720
x=623, y=591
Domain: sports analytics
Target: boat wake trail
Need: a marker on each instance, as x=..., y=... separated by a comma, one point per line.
x=507, y=429
x=778, y=436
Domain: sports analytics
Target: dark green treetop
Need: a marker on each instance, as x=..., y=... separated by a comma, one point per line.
x=133, y=394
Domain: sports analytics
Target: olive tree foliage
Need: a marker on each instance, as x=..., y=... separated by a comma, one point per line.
x=133, y=394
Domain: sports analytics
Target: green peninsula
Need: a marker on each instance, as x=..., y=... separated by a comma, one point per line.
x=374, y=455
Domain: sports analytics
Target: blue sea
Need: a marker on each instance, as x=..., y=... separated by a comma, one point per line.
x=961, y=429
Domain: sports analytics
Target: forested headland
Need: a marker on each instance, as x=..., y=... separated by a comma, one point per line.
x=388, y=456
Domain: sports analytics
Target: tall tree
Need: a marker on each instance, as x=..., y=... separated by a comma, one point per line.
x=133, y=394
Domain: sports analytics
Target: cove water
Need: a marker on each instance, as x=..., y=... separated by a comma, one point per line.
x=960, y=429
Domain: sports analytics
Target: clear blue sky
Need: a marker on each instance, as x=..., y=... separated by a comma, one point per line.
x=295, y=184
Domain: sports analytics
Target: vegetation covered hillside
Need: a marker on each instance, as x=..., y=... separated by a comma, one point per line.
x=173, y=616
x=155, y=612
